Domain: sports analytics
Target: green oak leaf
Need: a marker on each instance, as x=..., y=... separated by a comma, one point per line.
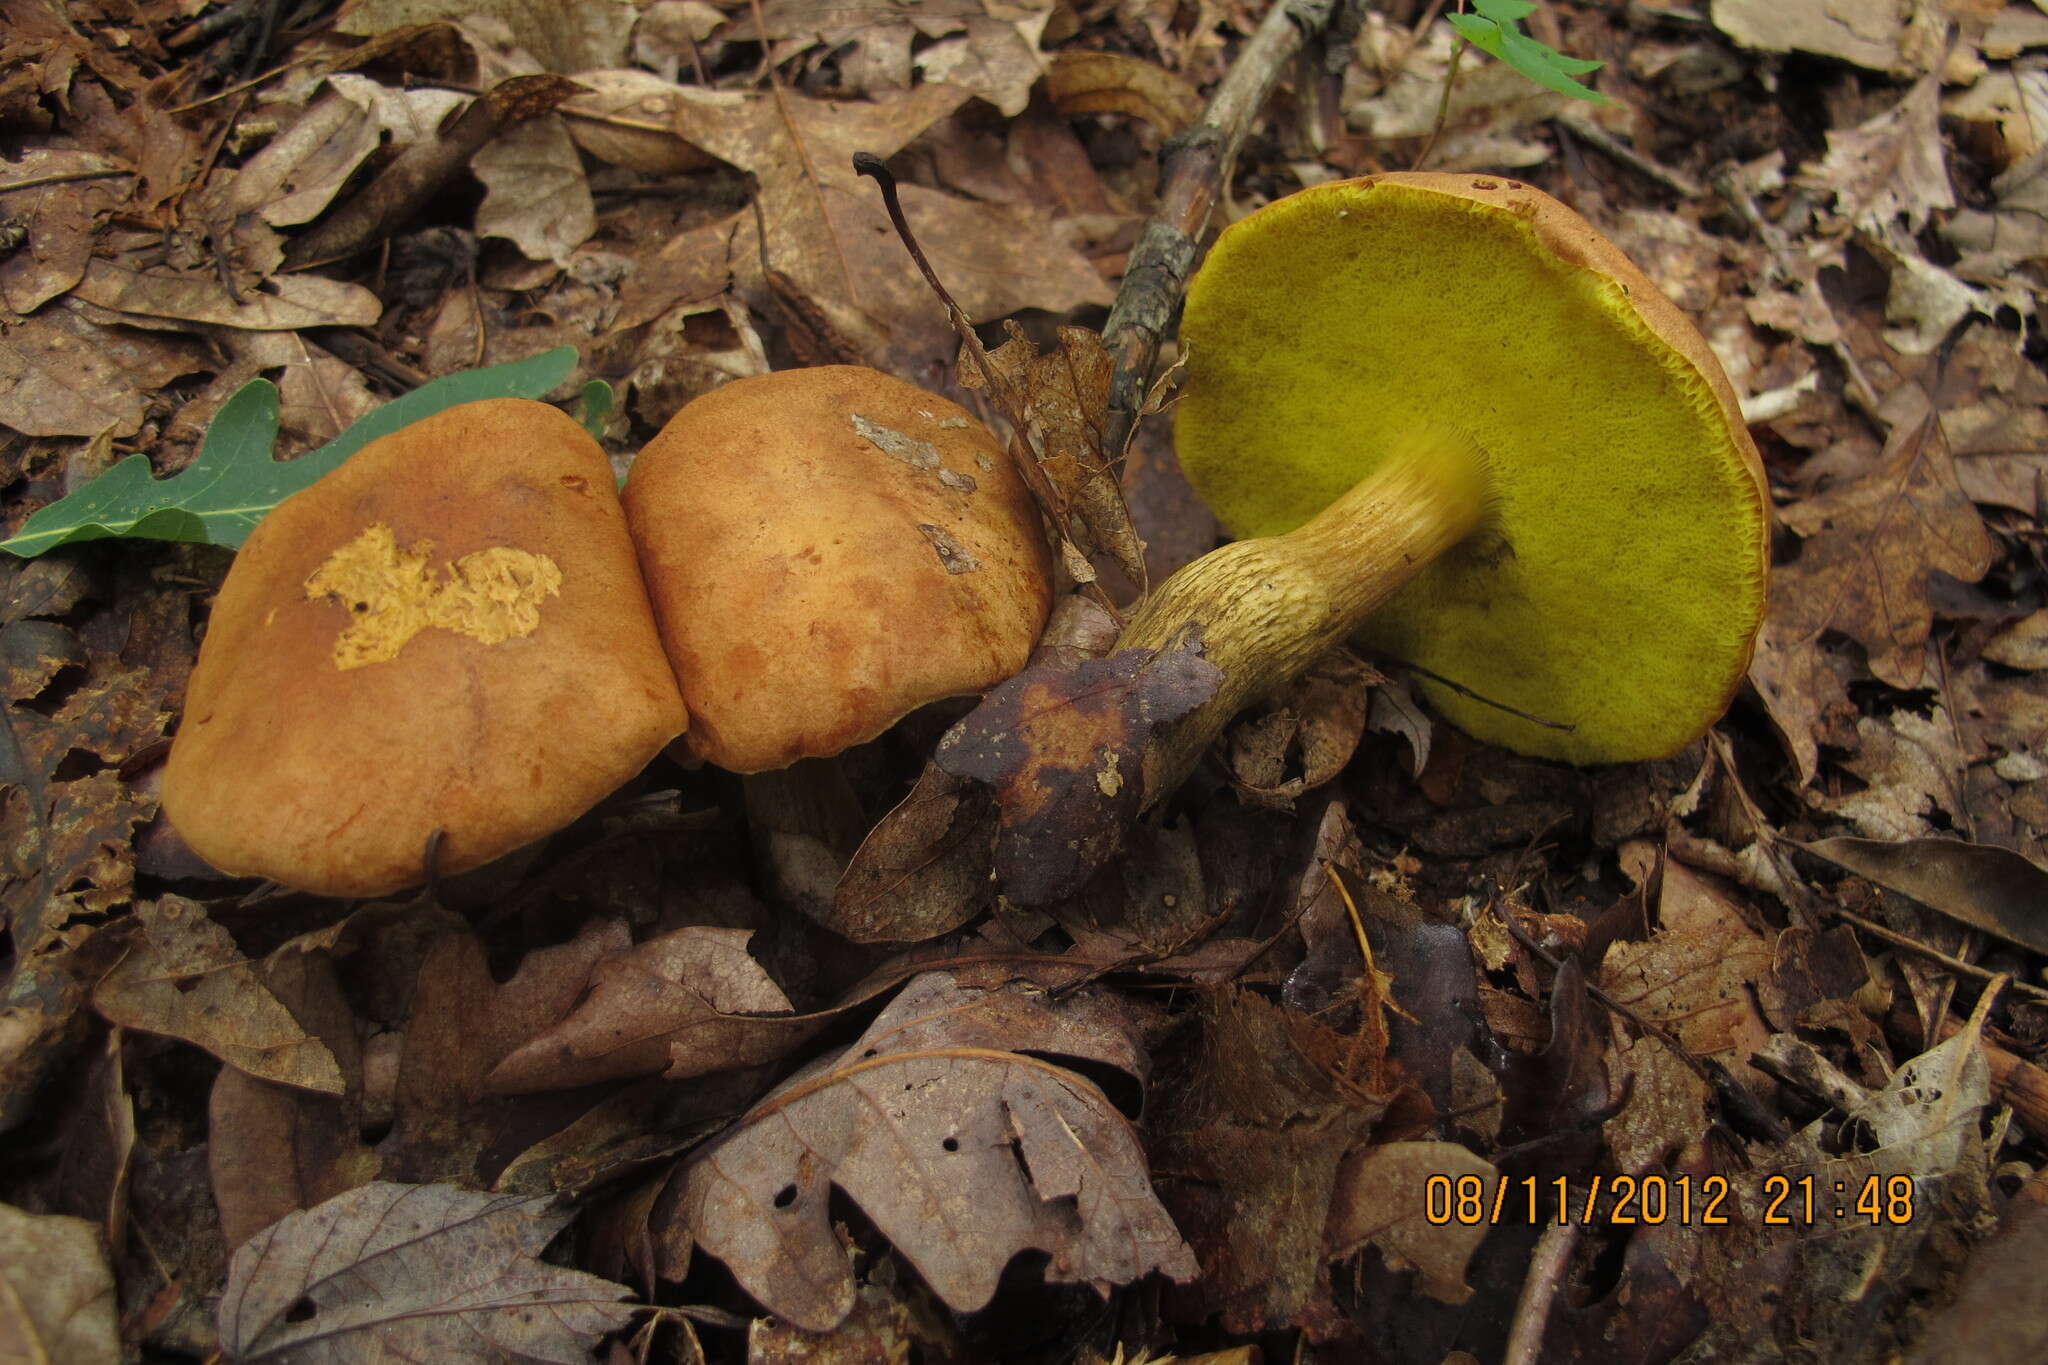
x=234, y=482
x=1492, y=30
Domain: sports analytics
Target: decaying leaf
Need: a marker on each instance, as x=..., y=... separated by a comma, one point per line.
x=1063, y=746
x=962, y=1151
x=693, y=997
x=829, y=236
x=186, y=978
x=56, y=1292
x=397, y=1273
x=1988, y=888
x=1058, y=403
x=1382, y=1198
x=923, y=869
x=68, y=850
x=1870, y=543
x=1255, y=1139
x=1115, y=83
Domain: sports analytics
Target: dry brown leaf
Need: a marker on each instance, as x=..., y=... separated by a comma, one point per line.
x=960, y=1151
x=1869, y=544
x=1892, y=38
x=922, y=871
x=2023, y=644
x=1382, y=1199
x=285, y=303
x=1912, y=768
x=406, y=1273
x=56, y=1292
x=1697, y=974
x=61, y=374
x=1317, y=720
x=298, y=172
x=1890, y=167
x=461, y=1024
x=186, y=978
x=989, y=50
x=562, y=38
x=694, y=997
x=1113, y=83
x=626, y=119
x=887, y=1326
x=828, y=234
x=1988, y=888
x=1255, y=1139
x=60, y=218
x=273, y=1149
x=535, y=194
x=1059, y=403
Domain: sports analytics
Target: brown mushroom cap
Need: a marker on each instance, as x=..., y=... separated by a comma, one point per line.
x=828, y=549
x=447, y=633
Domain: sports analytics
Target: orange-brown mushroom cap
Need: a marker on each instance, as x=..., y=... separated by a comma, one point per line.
x=448, y=632
x=828, y=549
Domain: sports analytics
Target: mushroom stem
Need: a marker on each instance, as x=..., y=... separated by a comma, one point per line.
x=1265, y=609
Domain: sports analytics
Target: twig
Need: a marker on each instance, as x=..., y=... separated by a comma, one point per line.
x=1930, y=952
x=1197, y=164
x=803, y=156
x=59, y=178
x=1600, y=140
x=1546, y=1276
x=1443, y=103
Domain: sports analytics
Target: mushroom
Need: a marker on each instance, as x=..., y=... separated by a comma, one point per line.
x=1465, y=430
x=446, y=635
x=827, y=550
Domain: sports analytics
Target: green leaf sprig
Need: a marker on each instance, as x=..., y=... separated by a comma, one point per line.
x=1493, y=31
x=234, y=481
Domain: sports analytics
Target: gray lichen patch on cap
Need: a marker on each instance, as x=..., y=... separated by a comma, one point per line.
x=491, y=595
x=951, y=552
x=913, y=452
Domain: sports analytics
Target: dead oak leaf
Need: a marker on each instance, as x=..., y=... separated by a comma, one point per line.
x=66, y=837
x=1063, y=746
x=56, y=1292
x=1381, y=1200
x=1913, y=769
x=962, y=1152
x=1869, y=544
x=694, y=997
x=828, y=234
x=186, y=978
x=394, y=1273
x=993, y=53
x=1059, y=404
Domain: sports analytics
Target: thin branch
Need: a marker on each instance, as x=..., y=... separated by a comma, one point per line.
x=1197, y=165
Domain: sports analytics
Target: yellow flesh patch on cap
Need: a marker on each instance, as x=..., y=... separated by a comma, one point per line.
x=1628, y=582
x=491, y=595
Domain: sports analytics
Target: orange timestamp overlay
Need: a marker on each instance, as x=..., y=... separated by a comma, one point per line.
x=1650, y=1200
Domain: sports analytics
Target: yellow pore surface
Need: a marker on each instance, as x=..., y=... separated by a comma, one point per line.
x=491, y=595
x=1632, y=578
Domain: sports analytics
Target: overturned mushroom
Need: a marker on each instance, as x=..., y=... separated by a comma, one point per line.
x=1472, y=435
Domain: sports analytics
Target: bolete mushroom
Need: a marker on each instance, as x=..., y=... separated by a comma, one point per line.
x=827, y=550
x=1464, y=429
x=448, y=633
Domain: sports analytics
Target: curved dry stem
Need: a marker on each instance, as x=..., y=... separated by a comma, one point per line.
x=1265, y=609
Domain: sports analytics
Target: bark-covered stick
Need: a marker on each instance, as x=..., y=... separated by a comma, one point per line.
x=1191, y=176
